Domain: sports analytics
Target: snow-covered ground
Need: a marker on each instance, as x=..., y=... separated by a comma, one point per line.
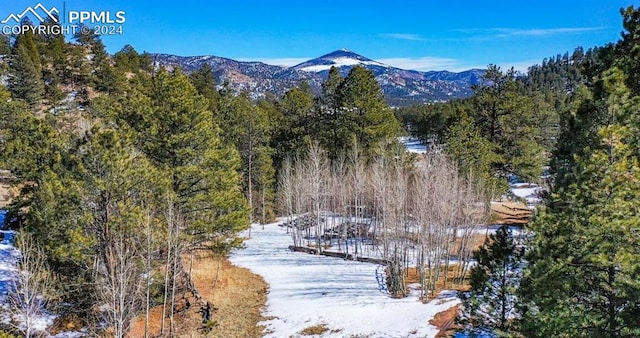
x=413, y=145
x=307, y=290
x=9, y=257
x=530, y=192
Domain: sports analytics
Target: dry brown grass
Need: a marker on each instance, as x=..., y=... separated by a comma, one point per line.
x=445, y=321
x=476, y=241
x=314, y=330
x=317, y=330
x=8, y=191
x=412, y=275
x=236, y=295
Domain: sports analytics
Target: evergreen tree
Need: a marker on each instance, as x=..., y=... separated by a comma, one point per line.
x=506, y=117
x=490, y=304
x=5, y=45
x=328, y=125
x=292, y=135
x=473, y=153
x=127, y=59
x=106, y=77
x=175, y=129
x=53, y=53
x=247, y=127
x=30, y=42
x=25, y=79
x=205, y=83
x=583, y=275
x=366, y=114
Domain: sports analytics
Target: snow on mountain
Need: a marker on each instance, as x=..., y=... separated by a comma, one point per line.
x=401, y=87
x=339, y=58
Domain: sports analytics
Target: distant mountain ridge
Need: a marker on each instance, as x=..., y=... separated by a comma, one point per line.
x=401, y=87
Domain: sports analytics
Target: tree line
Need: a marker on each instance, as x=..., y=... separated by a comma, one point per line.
x=411, y=214
x=579, y=275
x=125, y=169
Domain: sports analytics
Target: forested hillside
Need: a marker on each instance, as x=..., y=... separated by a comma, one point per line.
x=124, y=169
x=579, y=113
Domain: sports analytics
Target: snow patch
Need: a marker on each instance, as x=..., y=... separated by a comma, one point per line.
x=340, y=62
x=307, y=290
x=9, y=256
x=413, y=145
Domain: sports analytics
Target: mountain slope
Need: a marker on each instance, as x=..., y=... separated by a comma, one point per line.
x=401, y=87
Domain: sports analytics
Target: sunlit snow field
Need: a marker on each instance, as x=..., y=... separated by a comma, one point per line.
x=307, y=290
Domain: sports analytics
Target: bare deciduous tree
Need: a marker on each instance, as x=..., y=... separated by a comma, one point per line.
x=408, y=211
x=119, y=282
x=32, y=286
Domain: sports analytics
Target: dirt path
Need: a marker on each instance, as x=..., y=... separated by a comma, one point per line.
x=236, y=294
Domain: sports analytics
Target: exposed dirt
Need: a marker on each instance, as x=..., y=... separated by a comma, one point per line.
x=412, y=276
x=237, y=297
x=445, y=321
x=7, y=191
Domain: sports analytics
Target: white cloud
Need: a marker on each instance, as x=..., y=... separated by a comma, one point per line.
x=287, y=62
x=403, y=36
x=550, y=31
x=421, y=63
x=424, y=63
x=521, y=66
x=508, y=32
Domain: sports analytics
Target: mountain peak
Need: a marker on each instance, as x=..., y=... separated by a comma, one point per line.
x=339, y=58
x=400, y=87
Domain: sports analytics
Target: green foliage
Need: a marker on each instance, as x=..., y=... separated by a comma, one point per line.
x=175, y=129
x=328, y=125
x=583, y=274
x=507, y=118
x=431, y=122
x=246, y=126
x=490, y=304
x=25, y=78
x=365, y=112
x=508, y=127
x=293, y=123
x=128, y=60
x=473, y=153
x=205, y=83
x=4, y=334
x=5, y=45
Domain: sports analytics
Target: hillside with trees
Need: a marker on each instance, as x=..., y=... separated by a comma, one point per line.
x=125, y=169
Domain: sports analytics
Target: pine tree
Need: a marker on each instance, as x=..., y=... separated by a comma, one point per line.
x=328, y=125
x=175, y=129
x=25, y=79
x=293, y=123
x=473, y=153
x=247, y=127
x=366, y=113
x=583, y=275
x=5, y=45
x=506, y=117
x=490, y=305
x=119, y=185
x=205, y=84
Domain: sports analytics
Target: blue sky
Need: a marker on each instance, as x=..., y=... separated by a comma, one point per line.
x=423, y=35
